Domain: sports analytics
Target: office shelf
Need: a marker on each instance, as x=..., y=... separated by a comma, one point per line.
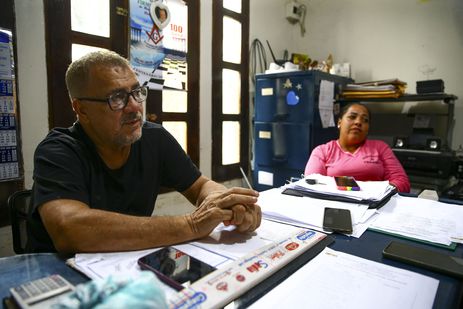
x=447, y=98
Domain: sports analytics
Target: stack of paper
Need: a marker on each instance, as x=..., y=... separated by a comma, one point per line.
x=390, y=88
x=325, y=187
x=308, y=212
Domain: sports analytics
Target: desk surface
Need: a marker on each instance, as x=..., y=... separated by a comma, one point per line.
x=22, y=268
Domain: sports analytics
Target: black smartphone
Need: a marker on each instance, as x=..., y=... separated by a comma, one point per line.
x=337, y=220
x=346, y=183
x=426, y=258
x=174, y=267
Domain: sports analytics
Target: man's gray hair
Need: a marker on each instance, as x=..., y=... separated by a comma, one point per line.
x=78, y=71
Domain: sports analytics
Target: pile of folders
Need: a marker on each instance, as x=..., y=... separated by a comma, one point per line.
x=389, y=88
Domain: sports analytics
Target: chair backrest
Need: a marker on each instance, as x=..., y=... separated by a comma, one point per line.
x=18, y=204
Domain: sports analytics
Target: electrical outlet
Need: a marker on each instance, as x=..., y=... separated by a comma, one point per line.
x=292, y=12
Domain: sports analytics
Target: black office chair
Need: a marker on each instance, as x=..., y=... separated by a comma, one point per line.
x=18, y=204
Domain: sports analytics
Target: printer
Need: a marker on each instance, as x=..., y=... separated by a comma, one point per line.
x=426, y=163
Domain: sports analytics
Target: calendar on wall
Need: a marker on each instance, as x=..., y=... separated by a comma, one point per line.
x=9, y=165
x=158, y=43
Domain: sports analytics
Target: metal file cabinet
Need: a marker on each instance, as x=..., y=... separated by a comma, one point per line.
x=287, y=124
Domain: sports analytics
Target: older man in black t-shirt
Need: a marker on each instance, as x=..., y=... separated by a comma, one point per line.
x=96, y=183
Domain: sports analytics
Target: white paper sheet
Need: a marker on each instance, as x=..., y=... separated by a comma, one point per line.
x=325, y=103
x=308, y=212
x=228, y=243
x=338, y=280
x=421, y=218
x=221, y=247
x=101, y=265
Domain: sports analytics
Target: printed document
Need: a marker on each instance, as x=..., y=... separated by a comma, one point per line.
x=338, y=280
x=325, y=103
x=225, y=242
x=221, y=247
x=422, y=219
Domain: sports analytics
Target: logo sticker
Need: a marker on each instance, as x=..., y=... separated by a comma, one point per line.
x=291, y=246
x=222, y=286
x=256, y=266
x=240, y=278
x=189, y=299
x=305, y=235
x=277, y=255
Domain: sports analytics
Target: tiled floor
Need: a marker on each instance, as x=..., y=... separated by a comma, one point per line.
x=6, y=241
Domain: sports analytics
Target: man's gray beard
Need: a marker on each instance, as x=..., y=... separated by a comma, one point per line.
x=128, y=140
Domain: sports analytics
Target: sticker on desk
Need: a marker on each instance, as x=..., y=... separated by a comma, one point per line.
x=267, y=91
x=265, y=178
x=265, y=134
x=226, y=284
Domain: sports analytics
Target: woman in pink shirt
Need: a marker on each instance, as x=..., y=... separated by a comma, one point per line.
x=354, y=155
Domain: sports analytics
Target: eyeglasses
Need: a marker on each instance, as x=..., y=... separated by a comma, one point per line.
x=119, y=100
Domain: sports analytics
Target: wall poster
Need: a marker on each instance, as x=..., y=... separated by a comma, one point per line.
x=158, y=43
x=9, y=166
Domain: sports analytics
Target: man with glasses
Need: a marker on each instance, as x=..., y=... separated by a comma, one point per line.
x=96, y=183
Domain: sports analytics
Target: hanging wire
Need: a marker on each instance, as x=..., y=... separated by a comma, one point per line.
x=257, y=64
x=302, y=10
x=257, y=59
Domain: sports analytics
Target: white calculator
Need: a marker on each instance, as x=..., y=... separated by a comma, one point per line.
x=41, y=293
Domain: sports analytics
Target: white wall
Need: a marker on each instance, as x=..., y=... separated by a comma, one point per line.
x=267, y=21
x=205, y=92
x=32, y=79
x=380, y=38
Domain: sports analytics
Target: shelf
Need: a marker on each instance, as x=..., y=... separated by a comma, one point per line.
x=385, y=109
x=447, y=98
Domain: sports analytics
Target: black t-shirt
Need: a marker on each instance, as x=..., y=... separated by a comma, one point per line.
x=67, y=166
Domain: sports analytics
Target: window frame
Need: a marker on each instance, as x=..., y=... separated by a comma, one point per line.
x=222, y=172
x=191, y=117
x=60, y=37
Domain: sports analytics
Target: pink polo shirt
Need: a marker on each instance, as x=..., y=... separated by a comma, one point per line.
x=374, y=160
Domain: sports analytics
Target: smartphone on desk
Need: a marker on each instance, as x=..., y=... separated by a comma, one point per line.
x=346, y=183
x=174, y=267
x=426, y=258
x=337, y=220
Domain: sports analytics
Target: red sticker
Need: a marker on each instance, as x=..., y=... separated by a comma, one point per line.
x=222, y=286
x=291, y=246
x=240, y=278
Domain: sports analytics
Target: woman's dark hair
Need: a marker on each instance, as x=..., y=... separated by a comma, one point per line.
x=346, y=108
